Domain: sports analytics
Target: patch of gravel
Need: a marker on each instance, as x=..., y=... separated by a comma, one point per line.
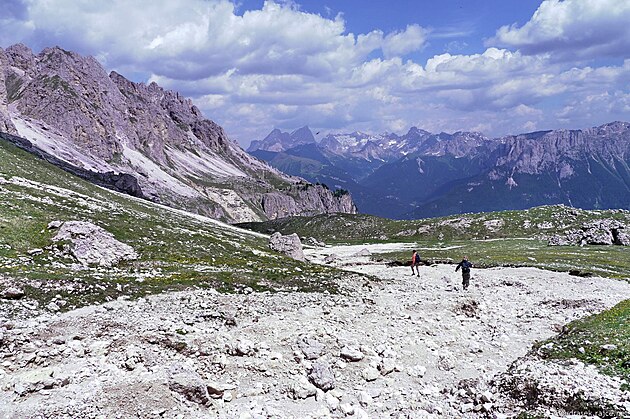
x=399, y=347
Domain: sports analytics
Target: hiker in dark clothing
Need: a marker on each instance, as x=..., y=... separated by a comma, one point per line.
x=465, y=265
x=415, y=261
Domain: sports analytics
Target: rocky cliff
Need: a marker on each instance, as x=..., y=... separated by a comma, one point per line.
x=538, y=152
x=67, y=106
x=5, y=120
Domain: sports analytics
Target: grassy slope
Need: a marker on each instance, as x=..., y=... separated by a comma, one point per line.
x=177, y=250
x=584, y=339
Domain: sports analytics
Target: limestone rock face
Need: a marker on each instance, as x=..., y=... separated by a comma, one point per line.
x=289, y=245
x=92, y=245
x=305, y=200
x=538, y=152
x=66, y=105
x=5, y=119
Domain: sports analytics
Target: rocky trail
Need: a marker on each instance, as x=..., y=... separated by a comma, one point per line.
x=394, y=345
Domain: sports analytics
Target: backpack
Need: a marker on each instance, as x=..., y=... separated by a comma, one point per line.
x=466, y=267
x=417, y=258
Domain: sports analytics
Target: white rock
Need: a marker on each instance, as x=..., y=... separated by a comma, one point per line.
x=346, y=408
x=92, y=245
x=370, y=373
x=417, y=371
x=487, y=396
x=302, y=389
x=467, y=407
x=387, y=366
x=351, y=354
x=365, y=399
x=332, y=401
x=54, y=224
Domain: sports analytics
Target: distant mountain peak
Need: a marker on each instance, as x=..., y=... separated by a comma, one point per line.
x=278, y=140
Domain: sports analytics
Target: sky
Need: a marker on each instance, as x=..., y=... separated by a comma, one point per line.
x=495, y=66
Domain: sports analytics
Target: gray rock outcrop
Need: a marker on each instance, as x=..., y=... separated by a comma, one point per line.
x=310, y=347
x=290, y=245
x=600, y=232
x=121, y=182
x=90, y=244
x=5, y=119
x=305, y=200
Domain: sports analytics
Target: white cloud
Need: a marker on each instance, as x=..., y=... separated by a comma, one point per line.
x=198, y=38
x=280, y=66
x=572, y=28
x=398, y=44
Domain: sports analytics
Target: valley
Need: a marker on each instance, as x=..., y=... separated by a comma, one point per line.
x=208, y=322
x=139, y=276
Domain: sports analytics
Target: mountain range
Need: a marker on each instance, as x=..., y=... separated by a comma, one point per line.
x=422, y=174
x=68, y=110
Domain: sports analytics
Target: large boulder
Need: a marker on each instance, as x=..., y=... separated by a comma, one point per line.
x=92, y=245
x=289, y=245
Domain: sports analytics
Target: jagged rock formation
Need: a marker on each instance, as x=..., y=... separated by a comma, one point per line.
x=420, y=174
x=305, y=198
x=121, y=182
x=69, y=107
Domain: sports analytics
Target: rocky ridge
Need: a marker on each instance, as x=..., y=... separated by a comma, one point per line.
x=278, y=140
x=386, y=147
x=67, y=106
x=468, y=172
x=400, y=347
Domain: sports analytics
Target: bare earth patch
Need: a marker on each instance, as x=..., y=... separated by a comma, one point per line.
x=404, y=346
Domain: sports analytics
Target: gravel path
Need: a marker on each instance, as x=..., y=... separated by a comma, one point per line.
x=400, y=346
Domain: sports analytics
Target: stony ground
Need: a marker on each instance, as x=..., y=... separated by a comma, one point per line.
x=394, y=346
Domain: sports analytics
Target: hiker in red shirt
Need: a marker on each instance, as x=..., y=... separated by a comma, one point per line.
x=415, y=261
